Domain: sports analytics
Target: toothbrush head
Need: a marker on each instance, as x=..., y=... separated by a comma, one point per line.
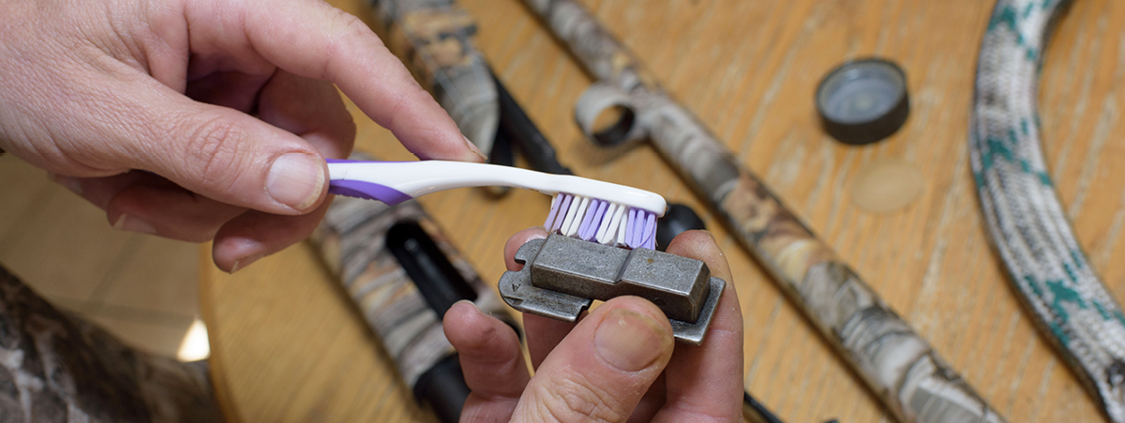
x=601, y=221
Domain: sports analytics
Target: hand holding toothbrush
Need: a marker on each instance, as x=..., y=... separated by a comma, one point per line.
x=616, y=364
x=227, y=106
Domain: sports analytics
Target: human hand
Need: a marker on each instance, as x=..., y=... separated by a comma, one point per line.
x=228, y=105
x=615, y=364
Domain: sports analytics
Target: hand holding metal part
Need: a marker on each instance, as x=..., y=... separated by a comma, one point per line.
x=604, y=366
x=562, y=276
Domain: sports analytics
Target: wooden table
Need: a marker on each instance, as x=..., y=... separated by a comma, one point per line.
x=287, y=346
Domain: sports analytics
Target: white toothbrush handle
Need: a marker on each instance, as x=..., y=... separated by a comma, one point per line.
x=419, y=178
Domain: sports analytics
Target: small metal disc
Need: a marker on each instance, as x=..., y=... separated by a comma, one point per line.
x=863, y=101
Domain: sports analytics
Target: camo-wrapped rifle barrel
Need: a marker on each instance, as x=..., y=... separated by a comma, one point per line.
x=436, y=41
x=352, y=240
x=896, y=363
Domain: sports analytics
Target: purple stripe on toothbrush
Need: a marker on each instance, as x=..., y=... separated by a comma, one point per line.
x=554, y=210
x=562, y=213
x=650, y=231
x=632, y=230
x=367, y=190
x=639, y=238
x=590, y=224
x=591, y=209
x=597, y=222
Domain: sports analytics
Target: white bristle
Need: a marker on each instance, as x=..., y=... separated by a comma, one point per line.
x=577, y=208
x=615, y=225
x=583, y=209
x=622, y=227
x=603, y=226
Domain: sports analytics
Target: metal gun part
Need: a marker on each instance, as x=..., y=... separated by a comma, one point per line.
x=562, y=276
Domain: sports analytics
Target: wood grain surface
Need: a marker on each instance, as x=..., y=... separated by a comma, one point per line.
x=287, y=345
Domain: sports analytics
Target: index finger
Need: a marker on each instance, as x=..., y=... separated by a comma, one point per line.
x=315, y=40
x=704, y=382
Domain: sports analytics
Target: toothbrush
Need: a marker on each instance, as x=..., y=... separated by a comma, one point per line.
x=587, y=209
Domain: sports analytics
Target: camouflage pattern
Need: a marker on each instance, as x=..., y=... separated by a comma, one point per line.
x=352, y=241
x=434, y=38
x=897, y=364
x=57, y=368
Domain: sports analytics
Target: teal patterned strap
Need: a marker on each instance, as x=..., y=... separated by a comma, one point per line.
x=1025, y=219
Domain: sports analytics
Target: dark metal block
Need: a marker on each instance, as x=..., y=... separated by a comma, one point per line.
x=562, y=276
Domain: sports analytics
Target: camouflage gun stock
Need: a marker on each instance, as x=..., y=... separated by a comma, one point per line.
x=436, y=41
x=894, y=361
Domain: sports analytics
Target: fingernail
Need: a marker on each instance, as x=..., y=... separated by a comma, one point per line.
x=471, y=304
x=71, y=184
x=243, y=262
x=630, y=341
x=475, y=149
x=296, y=180
x=128, y=222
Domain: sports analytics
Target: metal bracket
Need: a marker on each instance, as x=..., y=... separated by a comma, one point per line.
x=562, y=276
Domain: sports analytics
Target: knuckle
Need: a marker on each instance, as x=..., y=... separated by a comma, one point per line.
x=399, y=107
x=211, y=149
x=350, y=24
x=346, y=28
x=571, y=397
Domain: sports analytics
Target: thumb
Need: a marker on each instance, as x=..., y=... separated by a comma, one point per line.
x=228, y=156
x=603, y=367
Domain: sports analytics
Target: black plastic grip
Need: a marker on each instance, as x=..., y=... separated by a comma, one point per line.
x=522, y=132
x=444, y=388
x=438, y=281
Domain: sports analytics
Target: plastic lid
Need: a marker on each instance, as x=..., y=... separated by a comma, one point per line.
x=679, y=218
x=863, y=101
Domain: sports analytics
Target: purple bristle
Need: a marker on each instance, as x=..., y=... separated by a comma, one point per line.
x=554, y=211
x=591, y=210
x=593, y=218
x=633, y=229
x=601, y=219
x=562, y=213
x=649, y=235
x=639, y=238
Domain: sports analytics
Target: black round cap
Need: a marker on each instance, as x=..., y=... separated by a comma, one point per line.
x=863, y=101
x=678, y=219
